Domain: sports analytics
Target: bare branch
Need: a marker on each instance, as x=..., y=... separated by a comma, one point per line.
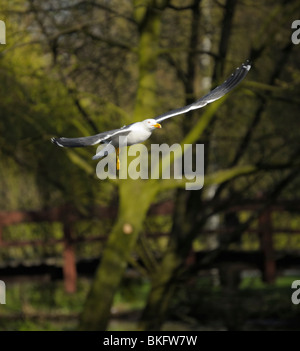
x=180, y=8
x=76, y=6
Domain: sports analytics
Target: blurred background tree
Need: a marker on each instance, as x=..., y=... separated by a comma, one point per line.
x=76, y=68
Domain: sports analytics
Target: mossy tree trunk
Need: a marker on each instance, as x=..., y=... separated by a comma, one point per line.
x=135, y=199
x=135, y=195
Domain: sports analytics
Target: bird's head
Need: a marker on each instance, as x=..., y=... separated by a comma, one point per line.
x=151, y=124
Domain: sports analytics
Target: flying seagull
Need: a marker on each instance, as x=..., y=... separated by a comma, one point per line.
x=140, y=131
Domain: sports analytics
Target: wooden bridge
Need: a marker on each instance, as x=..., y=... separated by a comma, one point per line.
x=266, y=259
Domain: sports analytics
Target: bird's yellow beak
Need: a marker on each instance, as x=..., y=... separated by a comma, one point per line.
x=157, y=125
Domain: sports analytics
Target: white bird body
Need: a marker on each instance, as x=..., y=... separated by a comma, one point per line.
x=140, y=132
x=137, y=133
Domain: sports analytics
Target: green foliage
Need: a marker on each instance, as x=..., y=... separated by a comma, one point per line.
x=204, y=306
x=253, y=306
x=41, y=306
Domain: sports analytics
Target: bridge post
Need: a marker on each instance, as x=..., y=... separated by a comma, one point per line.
x=267, y=248
x=69, y=265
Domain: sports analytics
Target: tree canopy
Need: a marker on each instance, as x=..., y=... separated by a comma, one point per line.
x=76, y=68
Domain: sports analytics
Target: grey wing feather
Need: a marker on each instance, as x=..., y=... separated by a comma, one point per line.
x=230, y=83
x=90, y=140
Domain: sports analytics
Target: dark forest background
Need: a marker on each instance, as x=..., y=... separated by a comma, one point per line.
x=222, y=257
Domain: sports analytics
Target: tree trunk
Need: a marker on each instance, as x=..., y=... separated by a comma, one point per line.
x=135, y=195
x=162, y=287
x=162, y=291
x=135, y=199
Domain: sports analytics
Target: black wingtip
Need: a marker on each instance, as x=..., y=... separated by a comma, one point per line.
x=55, y=141
x=247, y=64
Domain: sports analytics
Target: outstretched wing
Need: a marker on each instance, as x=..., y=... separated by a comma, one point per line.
x=214, y=95
x=104, y=137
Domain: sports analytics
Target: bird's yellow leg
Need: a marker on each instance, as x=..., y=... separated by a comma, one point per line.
x=118, y=160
